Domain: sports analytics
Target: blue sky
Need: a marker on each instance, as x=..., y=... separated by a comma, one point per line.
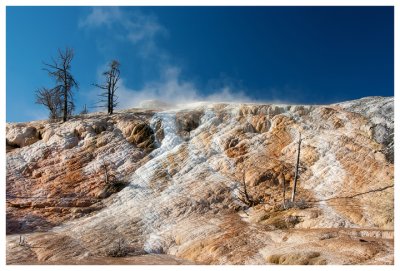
x=307, y=55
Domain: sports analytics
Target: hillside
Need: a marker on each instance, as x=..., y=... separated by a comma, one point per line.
x=169, y=182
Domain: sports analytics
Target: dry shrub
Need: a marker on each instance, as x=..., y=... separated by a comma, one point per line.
x=119, y=249
x=291, y=221
x=301, y=204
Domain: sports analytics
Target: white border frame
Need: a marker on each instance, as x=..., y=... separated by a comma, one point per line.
x=5, y=3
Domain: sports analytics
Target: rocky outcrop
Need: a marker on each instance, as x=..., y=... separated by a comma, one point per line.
x=187, y=121
x=139, y=134
x=181, y=173
x=19, y=135
x=379, y=112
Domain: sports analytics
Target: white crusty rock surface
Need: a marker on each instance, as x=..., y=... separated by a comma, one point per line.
x=176, y=179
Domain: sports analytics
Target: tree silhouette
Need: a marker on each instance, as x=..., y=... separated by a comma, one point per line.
x=296, y=173
x=109, y=99
x=51, y=100
x=60, y=70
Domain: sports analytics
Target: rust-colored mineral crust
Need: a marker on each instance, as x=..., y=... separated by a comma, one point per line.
x=175, y=179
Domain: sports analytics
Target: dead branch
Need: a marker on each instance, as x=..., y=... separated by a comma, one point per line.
x=244, y=197
x=297, y=169
x=62, y=93
x=112, y=76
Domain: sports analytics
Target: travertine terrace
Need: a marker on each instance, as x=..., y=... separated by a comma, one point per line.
x=182, y=170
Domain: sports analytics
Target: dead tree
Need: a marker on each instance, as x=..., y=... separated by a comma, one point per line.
x=22, y=242
x=281, y=178
x=296, y=173
x=109, y=174
x=109, y=98
x=84, y=110
x=112, y=183
x=60, y=70
x=50, y=98
x=245, y=197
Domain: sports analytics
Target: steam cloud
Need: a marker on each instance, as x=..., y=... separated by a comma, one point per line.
x=172, y=90
x=142, y=30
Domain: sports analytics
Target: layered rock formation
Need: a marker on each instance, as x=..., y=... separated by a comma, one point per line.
x=177, y=177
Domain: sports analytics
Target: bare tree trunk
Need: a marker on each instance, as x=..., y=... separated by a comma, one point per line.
x=60, y=71
x=245, y=189
x=296, y=173
x=244, y=195
x=282, y=179
x=65, y=110
x=111, y=103
x=109, y=87
x=65, y=79
x=105, y=172
x=109, y=95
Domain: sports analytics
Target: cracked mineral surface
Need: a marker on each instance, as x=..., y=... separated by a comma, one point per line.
x=178, y=176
